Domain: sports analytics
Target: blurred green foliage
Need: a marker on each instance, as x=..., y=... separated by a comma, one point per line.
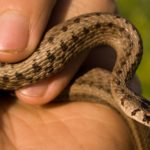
x=138, y=12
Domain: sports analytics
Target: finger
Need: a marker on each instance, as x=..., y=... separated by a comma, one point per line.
x=46, y=91
x=21, y=26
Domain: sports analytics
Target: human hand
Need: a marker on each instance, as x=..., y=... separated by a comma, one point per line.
x=62, y=126
x=54, y=126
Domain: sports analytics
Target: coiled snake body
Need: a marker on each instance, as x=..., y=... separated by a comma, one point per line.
x=66, y=40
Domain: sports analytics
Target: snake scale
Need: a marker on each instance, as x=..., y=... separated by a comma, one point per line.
x=64, y=41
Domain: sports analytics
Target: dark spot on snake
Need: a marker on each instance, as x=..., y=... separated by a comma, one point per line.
x=77, y=20
x=121, y=29
x=117, y=16
x=64, y=29
x=63, y=46
x=117, y=81
x=128, y=53
x=50, y=56
x=36, y=67
x=122, y=90
x=75, y=38
x=5, y=78
x=125, y=97
x=19, y=76
x=50, y=39
x=86, y=30
x=122, y=101
x=34, y=60
x=127, y=21
x=122, y=62
x=119, y=72
x=97, y=25
x=97, y=14
x=133, y=113
x=110, y=25
x=128, y=37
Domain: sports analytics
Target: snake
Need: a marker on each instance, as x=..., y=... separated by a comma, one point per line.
x=63, y=42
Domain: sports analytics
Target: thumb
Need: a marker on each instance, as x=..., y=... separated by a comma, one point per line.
x=21, y=26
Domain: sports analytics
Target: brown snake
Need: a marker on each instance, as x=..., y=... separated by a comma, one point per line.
x=66, y=40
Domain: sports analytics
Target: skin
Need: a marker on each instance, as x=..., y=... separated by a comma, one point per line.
x=51, y=126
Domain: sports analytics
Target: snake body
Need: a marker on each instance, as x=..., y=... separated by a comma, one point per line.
x=74, y=36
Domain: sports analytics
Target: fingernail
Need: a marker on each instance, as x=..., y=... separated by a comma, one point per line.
x=14, y=31
x=37, y=90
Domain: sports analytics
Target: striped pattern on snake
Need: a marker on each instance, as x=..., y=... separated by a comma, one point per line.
x=78, y=34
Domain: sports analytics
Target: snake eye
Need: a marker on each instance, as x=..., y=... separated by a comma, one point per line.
x=146, y=118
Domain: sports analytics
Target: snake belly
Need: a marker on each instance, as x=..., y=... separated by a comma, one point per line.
x=65, y=41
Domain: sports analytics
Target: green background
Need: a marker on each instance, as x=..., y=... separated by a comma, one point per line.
x=138, y=12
